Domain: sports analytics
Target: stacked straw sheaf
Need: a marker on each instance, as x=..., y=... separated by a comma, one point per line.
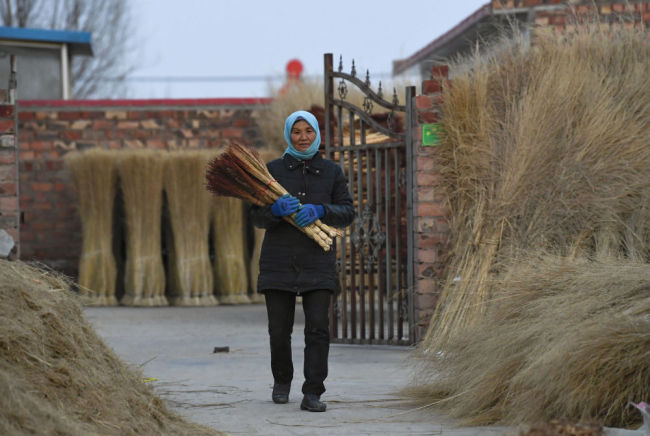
x=58, y=377
x=191, y=282
x=141, y=181
x=546, y=148
x=240, y=172
x=94, y=178
x=230, y=273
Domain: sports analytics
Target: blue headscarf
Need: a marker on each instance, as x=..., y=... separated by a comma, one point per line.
x=288, y=125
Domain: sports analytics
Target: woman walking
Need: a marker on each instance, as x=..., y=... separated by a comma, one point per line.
x=292, y=264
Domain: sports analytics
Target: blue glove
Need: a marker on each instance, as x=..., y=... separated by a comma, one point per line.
x=309, y=213
x=285, y=205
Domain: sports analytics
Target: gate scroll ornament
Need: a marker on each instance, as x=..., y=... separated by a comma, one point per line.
x=375, y=255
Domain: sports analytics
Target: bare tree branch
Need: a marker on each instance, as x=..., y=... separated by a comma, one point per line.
x=108, y=21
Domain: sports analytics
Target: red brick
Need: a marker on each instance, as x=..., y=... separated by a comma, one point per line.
x=423, y=102
x=646, y=16
x=432, y=209
x=26, y=155
x=7, y=110
x=9, y=204
x=436, y=240
x=7, y=188
x=7, y=158
x=426, y=300
x=102, y=124
x=438, y=71
x=425, y=163
x=7, y=172
x=428, y=178
x=25, y=116
x=70, y=135
x=130, y=125
x=42, y=186
x=7, y=126
x=431, y=86
x=134, y=115
x=425, y=224
x=425, y=193
x=232, y=133
x=59, y=186
x=424, y=270
x=156, y=143
x=40, y=145
x=426, y=255
x=428, y=117
x=69, y=115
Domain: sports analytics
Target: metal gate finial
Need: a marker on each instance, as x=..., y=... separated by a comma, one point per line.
x=340, y=63
x=380, y=93
x=353, y=73
x=367, y=77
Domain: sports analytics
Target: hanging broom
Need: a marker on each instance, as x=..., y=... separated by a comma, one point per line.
x=240, y=172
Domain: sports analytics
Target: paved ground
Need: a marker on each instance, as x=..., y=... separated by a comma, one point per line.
x=231, y=391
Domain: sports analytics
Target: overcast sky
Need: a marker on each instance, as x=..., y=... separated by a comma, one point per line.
x=256, y=38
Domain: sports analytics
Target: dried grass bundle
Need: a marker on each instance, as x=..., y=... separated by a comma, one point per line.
x=56, y=374
x=546, y=147
x=189, y=268
x=94, y=177
x=566, y=338
x=230, y=273
x=141, y=181
x=240, y=172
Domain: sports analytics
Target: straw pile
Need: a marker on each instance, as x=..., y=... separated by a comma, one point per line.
x=189, y=270
x=141, y=181
x=58, y=377
x=94, y=177
x=564, y=338
x=230, y=273
x=546, y=148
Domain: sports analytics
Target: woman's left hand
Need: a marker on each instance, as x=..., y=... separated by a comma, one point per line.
x=309, y=213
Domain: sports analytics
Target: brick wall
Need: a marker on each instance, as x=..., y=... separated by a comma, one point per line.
x=9, y=215
x=430, y=212
x=51, y=227
x=556, y=13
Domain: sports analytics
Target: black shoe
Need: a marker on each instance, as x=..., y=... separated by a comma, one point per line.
x=312, y=403
x=280, y=393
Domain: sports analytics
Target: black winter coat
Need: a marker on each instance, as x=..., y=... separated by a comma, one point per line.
x=290, y=260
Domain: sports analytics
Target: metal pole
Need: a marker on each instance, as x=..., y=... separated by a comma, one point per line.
x=329, y=95
x=65, y=73
x=410, y=155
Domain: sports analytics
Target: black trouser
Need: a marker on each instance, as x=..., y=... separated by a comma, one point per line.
x=281, y=307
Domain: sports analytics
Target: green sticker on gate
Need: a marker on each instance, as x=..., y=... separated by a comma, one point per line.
x=431, y=134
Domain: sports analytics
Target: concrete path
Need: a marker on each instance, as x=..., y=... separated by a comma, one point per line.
x=231, y=391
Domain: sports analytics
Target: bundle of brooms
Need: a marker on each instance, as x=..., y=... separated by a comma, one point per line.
x=240, y=172
x=188, y=204
x=141, y=181
x=94, y=178
x=546, y=149
x=230, y=274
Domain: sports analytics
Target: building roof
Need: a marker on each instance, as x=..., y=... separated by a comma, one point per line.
x=79, y=42
x=435, y=48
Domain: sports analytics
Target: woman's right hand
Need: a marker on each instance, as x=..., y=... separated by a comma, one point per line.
x=285, y=205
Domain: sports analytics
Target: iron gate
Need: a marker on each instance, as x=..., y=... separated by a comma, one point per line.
x=374, y=259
